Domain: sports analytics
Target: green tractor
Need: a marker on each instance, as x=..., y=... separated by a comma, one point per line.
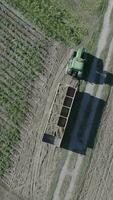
x=75, y=64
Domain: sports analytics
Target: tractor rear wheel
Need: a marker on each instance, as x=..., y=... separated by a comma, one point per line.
x=69, y=71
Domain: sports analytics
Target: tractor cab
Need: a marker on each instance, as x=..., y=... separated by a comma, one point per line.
x=75, y=65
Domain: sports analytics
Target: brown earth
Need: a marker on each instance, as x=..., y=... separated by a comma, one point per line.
x=6, y=194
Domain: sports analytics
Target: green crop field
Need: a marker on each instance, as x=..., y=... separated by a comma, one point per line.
x=21, y=58
x=68, y=21
x=53, y=18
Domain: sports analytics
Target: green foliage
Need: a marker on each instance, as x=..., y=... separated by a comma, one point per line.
x=100, y=6
x=8, y=137
x=51, y=16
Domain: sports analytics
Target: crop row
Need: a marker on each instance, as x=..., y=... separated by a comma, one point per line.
x=22, y=55
x=11, y=35
x=52, y=18
x=20, y=23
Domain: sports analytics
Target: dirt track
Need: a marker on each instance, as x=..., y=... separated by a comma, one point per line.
x=98, y=182
x=99, y=93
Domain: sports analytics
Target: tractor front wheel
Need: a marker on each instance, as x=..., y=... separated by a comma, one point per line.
x=79, y=75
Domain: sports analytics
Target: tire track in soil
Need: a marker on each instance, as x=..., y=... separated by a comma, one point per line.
x=63, y=173
x=74, y=177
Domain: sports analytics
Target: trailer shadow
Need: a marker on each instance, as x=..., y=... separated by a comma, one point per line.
x=94, y=73
x=86, y=113
x=83, y=123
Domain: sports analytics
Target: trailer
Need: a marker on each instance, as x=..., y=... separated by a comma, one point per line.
x=59, y=114
x=61, y=125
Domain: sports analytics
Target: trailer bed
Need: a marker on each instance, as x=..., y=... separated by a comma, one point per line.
x=59, y=113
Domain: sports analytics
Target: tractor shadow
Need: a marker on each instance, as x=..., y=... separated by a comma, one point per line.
x=93, y=71
x=83, y=123
x=86, y=113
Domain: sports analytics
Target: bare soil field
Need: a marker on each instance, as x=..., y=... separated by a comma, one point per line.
x=6, y=194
